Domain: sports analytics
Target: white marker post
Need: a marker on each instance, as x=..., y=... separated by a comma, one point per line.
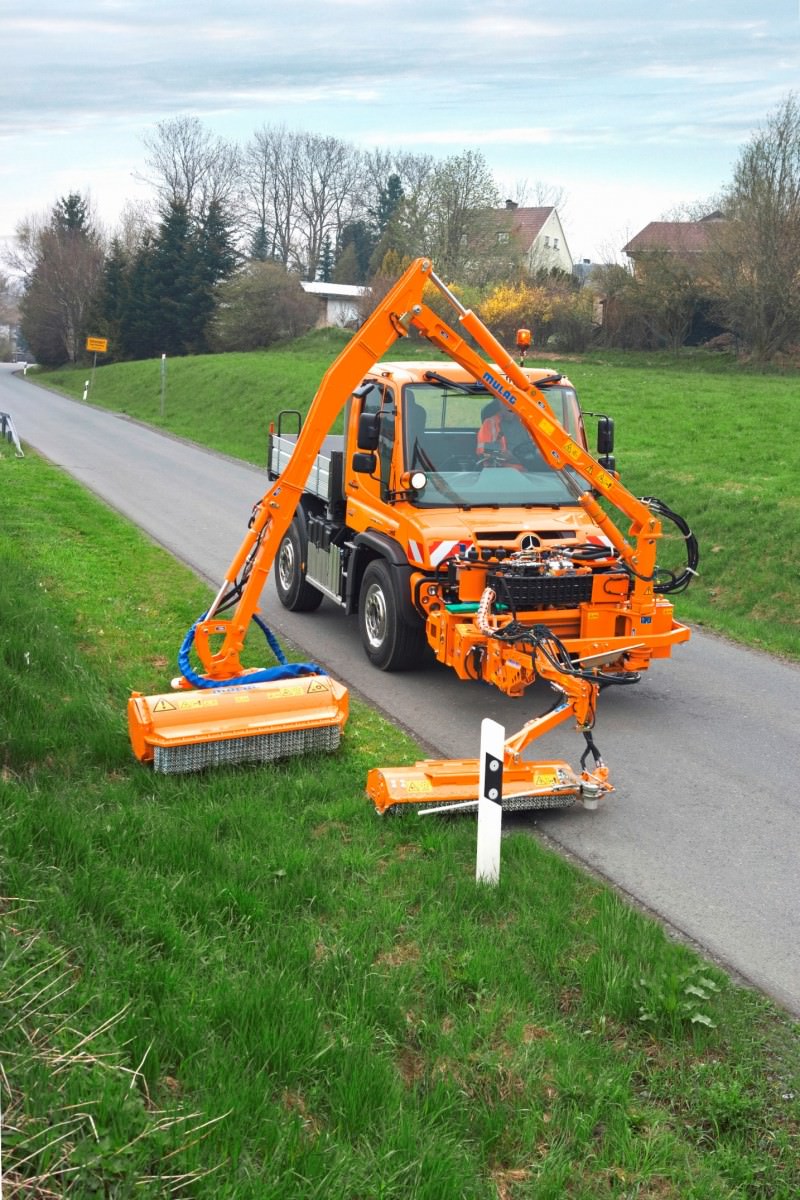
x=163, y=383
x=490, y=802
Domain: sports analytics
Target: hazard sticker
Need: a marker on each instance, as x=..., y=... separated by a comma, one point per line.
x=419, y=785
x=546, y=779
x=164, y=706
x=318, y=687
x=198, y=702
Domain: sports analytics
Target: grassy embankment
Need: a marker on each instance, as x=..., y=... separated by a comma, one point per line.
x=716, y=442
x=249, y=971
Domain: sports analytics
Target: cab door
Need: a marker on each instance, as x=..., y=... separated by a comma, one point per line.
x=367, y=493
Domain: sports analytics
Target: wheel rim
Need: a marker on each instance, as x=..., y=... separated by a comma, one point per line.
x=286, y=567
x=375, y=622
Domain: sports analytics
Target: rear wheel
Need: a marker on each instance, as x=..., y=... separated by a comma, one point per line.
x=294, y=592
x=389, y=642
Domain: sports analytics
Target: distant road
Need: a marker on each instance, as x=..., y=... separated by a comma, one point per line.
x=705, y=752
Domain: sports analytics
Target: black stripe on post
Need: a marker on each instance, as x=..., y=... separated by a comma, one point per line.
x=493, y=779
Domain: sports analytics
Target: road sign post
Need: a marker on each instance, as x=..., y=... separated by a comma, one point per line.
x=98, y=346
x=490, y=802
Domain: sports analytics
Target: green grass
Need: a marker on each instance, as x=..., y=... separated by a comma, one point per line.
x=715, y=441
x=247, y=985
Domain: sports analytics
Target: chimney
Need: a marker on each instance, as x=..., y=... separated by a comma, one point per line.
x=511, y=205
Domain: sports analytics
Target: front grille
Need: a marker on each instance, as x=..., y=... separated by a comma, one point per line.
x=523, y=591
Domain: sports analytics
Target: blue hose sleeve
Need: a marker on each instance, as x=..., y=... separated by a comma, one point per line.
x=285, y=670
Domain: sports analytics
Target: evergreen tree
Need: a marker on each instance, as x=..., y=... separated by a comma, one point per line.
x=71, y=214
x=174, y=271
x=389, y=198
x=325, y=266
x=140, y=326
x=109, y=307
x=359, y=236
x=214, y=259
x=259, y=245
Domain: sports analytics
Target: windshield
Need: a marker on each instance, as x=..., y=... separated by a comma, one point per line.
x=475, y=452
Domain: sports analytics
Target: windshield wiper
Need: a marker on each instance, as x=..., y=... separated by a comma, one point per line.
x=470, y=388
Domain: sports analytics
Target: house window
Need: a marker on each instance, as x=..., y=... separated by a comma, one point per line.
x=555, y=243
x=547, y=239
x=502, y=236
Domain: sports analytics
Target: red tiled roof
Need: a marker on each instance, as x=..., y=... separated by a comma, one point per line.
x=527, y=222
x=679, y=237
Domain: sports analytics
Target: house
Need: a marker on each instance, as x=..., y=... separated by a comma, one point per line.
x=540, y=234
x=339, y=302
x=683, y=238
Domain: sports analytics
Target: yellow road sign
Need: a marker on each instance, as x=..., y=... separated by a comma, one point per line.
x=99, y=345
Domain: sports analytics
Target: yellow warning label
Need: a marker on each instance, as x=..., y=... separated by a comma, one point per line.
x=318, y=687
x=572, y=451
x=198, y=702
x=545, y=778
x=603, y=480
x=546, y=426
x=418, y=785
x=164, y=706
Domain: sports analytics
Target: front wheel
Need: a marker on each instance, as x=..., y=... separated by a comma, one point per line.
x=294, y=592
x=389, y=642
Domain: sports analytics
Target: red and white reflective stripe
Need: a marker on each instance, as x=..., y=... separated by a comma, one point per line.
x=438, y=552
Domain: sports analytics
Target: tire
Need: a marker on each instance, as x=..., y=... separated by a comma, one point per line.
x=389, y=642
x=293, y=591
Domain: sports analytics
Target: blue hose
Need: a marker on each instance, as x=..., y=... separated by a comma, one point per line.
x=285, y=670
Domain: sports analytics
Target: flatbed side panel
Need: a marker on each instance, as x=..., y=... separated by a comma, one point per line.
x=322, y=474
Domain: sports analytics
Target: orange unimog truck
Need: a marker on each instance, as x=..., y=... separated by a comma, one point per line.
x=460, y=507
x=436, y=491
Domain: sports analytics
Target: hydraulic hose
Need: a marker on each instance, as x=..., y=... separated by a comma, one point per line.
x=285, y=669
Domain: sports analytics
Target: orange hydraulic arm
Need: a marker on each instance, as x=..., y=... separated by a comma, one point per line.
x=401, y=309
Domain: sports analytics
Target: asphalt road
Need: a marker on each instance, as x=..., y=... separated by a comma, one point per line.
x=704, y=753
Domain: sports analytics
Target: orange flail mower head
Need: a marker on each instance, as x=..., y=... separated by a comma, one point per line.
x=257, y=722
x=526, y=785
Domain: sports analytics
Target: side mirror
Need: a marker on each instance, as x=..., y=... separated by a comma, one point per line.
x=605, y=435
x=369, y=431
x=364, y=463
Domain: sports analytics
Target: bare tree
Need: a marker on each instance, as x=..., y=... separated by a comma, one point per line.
x=666, y=291
x=270, y=183
x=64, y=268
x=327, y=196
x=540, y=194
x=462, y=226
x=189, y=165
x=754, y=262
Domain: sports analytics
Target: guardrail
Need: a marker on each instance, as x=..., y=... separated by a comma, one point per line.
x=9, y=433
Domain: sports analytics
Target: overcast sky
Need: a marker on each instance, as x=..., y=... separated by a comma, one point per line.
x=631, y=107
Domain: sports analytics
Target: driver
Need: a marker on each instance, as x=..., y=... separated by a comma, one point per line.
x=501, y=437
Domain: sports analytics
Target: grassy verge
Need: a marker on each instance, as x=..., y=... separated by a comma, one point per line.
x=714, y=441
x=247, y=985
